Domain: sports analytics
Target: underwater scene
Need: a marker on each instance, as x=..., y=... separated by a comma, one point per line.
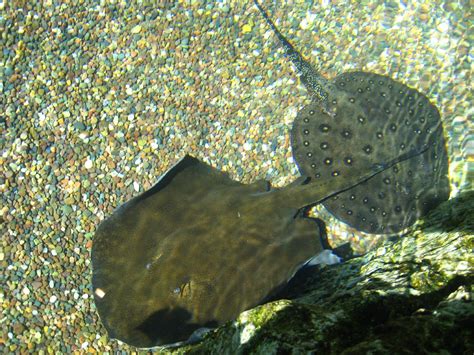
x=236, y=176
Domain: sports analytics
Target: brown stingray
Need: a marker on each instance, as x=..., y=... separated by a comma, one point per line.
x=198, y=248
x=359, y=118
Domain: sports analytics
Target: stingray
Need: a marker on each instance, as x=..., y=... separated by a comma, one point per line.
x=198, y=248
x=361, y=117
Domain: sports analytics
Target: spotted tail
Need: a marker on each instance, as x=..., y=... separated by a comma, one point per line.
x=317, y=85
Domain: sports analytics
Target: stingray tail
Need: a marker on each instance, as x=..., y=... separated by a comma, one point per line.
x=315, y=83
x=311, y=192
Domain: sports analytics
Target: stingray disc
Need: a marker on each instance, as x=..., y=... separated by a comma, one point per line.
x=376, y=119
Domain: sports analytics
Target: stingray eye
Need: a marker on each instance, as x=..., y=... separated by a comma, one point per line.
x=183, y=290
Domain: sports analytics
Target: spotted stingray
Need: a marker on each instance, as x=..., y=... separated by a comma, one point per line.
x=359, y=118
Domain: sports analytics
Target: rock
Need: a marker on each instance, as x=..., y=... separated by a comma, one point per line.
x=69, y=200
x=88, y=163
x=36, y=284
x=79, y=126
x=18, y=328
x=409, y=296
x=136, y=29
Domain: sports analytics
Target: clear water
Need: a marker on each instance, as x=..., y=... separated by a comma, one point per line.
x=99, y=99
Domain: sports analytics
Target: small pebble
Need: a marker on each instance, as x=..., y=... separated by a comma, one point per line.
x=246, y=28
x=136, y=29
x=88, y=164
x=136, y=186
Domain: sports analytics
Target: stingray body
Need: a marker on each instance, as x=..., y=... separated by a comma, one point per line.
x=199, y=248
x=363, y=117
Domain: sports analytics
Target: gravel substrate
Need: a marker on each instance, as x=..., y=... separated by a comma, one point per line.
x=98, y=100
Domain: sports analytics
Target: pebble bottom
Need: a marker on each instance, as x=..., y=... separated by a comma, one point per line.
x=98, y=99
